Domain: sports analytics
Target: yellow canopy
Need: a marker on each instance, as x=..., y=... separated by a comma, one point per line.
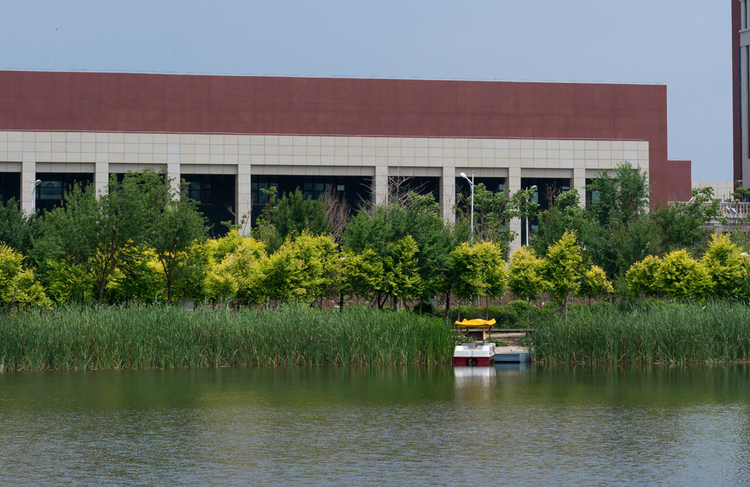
x=475, y=323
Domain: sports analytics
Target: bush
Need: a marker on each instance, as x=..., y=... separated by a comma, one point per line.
x=425, y=308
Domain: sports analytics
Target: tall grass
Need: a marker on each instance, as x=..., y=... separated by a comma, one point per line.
x=679, y=333
x=165, y=337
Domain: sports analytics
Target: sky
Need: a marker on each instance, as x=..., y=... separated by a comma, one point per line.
x=685, y=45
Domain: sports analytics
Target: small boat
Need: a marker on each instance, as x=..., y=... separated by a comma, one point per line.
x=471, y=355
x=477, y=328
x=512, y=355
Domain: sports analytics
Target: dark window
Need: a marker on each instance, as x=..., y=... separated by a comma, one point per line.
x=215, y=195
x=352, y=189
x=51, y=191
x=10, y=186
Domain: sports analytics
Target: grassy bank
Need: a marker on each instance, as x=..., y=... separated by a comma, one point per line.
x=663, y=334
x=165, y=337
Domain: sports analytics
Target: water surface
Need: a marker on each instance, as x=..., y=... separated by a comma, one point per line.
x=377, y=426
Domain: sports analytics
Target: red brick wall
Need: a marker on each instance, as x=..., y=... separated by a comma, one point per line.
x=679, y=181
x=120, y=102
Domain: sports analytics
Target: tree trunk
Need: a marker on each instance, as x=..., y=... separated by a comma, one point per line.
x=448, y=307
x=528, y=310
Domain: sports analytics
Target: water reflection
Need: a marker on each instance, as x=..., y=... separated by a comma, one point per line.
x=510, y=424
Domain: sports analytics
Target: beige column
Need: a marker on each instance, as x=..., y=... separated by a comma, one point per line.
x=380, y=182
x=514, y=184
x=579, y=182
x=174, y=174
x=448, y=192
x=28, y=177
x=244, y=196
x=101, y=163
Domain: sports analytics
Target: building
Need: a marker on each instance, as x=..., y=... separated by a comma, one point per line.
x=740, y=93
x=230, y=136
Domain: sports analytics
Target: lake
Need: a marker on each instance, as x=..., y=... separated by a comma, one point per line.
x=378, y=426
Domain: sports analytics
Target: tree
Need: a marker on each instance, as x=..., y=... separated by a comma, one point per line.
x=139, y=277
x=235, y=265
x=417, y=216
x=174, y=225
x=17, y=230
x=68, y=281
x=290, y=217
x=303, y=269
x=93, y=231
x=682, y=277
x=595, y=283
x=525, y=278
x=725, y=266
x=641, y=277
x=478, y=271
x=561, y=269
x=564, y=215
x=18, y=287
x=683, y=224
x=493, y=211
x=401, y=278
x=361, y=273
x=622, y=198
x=245, y=264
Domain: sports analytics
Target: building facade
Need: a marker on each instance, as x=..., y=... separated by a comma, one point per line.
x=231, y=136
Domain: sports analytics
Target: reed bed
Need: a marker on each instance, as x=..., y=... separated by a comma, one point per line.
x=677, y=333
x=166, y=337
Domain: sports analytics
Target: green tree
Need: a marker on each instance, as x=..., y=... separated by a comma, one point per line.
x=291, y=216
x=641, y=277
x=68, y=281
x=478, y=271
x=174, y=225
x=245, y=264
x=622, y=198
x=493, y=211
x=418, y=217
x=303, y=269
x=683, y=223
x=93, y=231
x=725, y=266
x=525, y=278
x=17, y=230
x=682, y=277
x=594, y=283
x=138, y=277
x=18, y=287
x=564, y=215
x=623, y=231
x=562, y=269
x=361, y=273
x=401, y=277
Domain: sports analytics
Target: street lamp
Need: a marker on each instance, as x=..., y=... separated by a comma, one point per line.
x=33, y=189
x=534, y=188
x=471, y=184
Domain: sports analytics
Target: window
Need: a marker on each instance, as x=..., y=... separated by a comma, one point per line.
x=50, y=190
x=201, y=191
x=258, y=190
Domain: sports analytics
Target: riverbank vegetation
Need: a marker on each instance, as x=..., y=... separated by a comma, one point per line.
x=657, y=332
x=78, y=338
x=142, y=241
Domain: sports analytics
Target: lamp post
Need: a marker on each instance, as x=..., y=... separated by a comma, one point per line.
x=471, y=185
x=34, y=185
x=534, y=188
